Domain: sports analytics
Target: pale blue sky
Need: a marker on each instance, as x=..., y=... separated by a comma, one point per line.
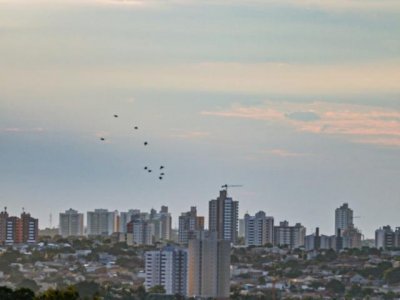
x=296, y=100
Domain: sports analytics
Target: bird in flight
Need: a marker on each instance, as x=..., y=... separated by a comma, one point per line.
x=162, y=174
x=145, y=143
x=161, y=167
x=160, y=178
x=102, y=139
x=136, y=128
x=115, y=116
x=145, y=168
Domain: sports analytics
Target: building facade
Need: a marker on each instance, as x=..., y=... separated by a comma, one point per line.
x=209, y=268
x=189, y=225
x=102, y=222
x=291, y=236
x=343, y=218
x=223, y=217
x=71, y=223
x=259, y=229
x=167, y=267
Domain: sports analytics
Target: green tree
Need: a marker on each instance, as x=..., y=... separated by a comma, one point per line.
x=69, y=293
x=6, y=293
x=23, y=294
x=87, y=289
x=157, y=289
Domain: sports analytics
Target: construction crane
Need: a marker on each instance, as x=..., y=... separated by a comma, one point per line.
x=226, y=186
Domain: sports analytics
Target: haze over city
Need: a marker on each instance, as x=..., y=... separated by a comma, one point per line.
x=298, y=101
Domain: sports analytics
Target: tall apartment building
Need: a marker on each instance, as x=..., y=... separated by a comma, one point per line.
x=102, y=222
x=71, y=223
x=352, y=238
x=189, y=225
x=30, y=228
x=167, y=267
x=140, y=232
x=343, y=218
x=386, y=237
x=3, y=225
x=162, y=223
x=14, y=233
x=292, y=236
x=126, y=217
x=209, y=268
x=317, y=241
x=223, y=217
x=259, y=229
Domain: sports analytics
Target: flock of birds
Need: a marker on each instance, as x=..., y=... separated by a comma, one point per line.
x=146, y=168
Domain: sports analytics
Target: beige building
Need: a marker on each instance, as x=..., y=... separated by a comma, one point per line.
x=209, y=268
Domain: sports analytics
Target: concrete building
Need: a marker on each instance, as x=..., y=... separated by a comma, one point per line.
x=292, y=236
x=317, y=241
x=189, y=225
x=125, y=218
x=71, y=223
x=3, y=225
x=13, y=231
x=102, y=222
x=352, y=238
x=223, y=217
x=209, y=268
x=343, y=218
x=259, y=229
x=387, y=238
x=167, y=267
x=162, y=222
x=140, y=232
x=30, y=228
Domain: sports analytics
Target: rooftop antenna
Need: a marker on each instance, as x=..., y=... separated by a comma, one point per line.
x=51, y=220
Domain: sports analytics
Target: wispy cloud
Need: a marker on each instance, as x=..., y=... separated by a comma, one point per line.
x=189, y=134
x=357, y=123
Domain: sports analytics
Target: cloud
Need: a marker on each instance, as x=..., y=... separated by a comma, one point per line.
x=303, y=116
x=189, y=134
x=356, y=123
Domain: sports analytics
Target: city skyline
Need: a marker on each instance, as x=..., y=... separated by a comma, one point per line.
x=296, y=101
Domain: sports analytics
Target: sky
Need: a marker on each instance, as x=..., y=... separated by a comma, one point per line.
x=296, y=100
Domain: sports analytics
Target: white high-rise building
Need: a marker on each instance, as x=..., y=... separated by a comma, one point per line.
x=126, y=217
x=259, y=229
x=223, y=217
x=71, y=223
x=140, y=232
x=343, y=218
x=162, y=224
x=292, y=236
x=189, y=225
x=102, y=222
x=167, y=267
x=209, y=268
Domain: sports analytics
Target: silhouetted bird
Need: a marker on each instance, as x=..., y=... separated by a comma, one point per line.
x=160, y=178
x=145, y=143
x=115, y=116
x=145, y=168
x=162, y=174
x=136, y=128
x=162, y=167
x=149, y=171
x=102, y=139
